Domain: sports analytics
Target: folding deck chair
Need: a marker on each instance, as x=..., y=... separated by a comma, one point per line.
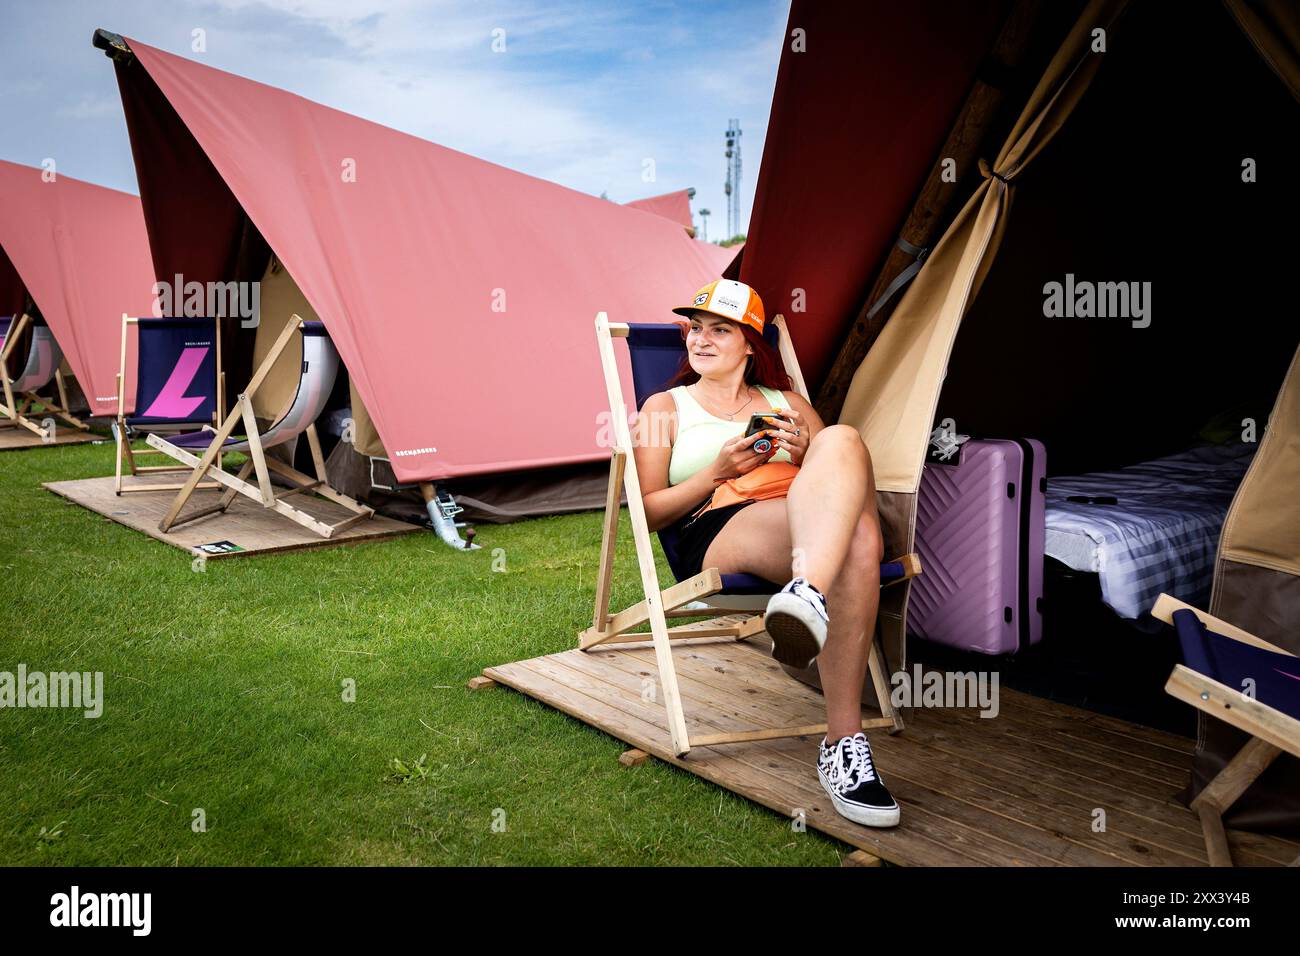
x=318, y=369
x=43, y=360
x=176, y=387
x=656, y=352
x=1221, y=662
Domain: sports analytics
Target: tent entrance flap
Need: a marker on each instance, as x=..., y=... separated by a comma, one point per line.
x=895, y=392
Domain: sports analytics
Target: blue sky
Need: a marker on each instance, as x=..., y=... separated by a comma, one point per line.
x=583, y=93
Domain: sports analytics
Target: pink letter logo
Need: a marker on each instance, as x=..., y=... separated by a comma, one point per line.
x=172, y=402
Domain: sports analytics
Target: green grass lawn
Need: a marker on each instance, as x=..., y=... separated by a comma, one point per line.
x=223, y=690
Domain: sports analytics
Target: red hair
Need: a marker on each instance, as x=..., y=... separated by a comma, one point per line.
x=762, y=368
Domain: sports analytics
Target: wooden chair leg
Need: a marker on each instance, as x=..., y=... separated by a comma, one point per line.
x=1216, y=839
x=202, y=466
x=318, y=487
x=880, y=681
x=641, y=535
x=120, y=432
x=608, y=540
x=256, y=455
x=62, y=411
x=317, y=456
x=227, y=496
x=1222, y=792
x=707, y=582
x=11, y=340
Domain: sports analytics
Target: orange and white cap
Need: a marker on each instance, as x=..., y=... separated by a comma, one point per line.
x=728, y=299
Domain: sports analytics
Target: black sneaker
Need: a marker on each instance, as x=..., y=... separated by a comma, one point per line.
x=796, y=620
x=855, y=788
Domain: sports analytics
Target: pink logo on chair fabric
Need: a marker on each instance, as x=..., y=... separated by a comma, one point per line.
x=172, y=402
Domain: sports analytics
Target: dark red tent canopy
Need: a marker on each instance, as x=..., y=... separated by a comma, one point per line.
x=865, y=96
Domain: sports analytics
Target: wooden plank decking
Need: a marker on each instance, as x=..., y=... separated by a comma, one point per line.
x=253, y=528
x=15, y=439
x=1019, y=789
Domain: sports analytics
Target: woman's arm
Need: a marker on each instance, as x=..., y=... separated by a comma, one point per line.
x=652, y=441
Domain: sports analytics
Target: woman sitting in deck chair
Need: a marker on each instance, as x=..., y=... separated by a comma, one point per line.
x=824, y=533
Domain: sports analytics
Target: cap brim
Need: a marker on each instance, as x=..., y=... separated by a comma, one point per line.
x=690, y=310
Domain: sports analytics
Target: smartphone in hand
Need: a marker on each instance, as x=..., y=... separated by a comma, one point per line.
x=761, y=421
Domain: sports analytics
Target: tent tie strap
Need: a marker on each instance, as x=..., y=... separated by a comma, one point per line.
x=919, y=254
x=988, y=173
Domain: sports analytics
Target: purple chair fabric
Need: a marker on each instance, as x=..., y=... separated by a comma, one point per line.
x=1230, y=662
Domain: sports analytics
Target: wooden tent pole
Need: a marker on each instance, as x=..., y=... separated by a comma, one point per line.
x=16, y=329
x=924, y=222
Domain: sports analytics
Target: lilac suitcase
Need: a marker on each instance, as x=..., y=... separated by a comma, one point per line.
x=979, y=533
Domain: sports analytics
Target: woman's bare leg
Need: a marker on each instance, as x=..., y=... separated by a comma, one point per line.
x=825, y=501
x=758, y=540
x=852, y=603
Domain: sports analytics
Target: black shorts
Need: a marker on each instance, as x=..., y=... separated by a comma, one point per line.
x=696, y=534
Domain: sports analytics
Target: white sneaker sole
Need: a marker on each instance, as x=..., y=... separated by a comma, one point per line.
x=798, y=632
x=867, y=816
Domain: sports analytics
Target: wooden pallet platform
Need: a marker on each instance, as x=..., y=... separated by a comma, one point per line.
x=17, y=439
x=1019, y=789
x=253, y=528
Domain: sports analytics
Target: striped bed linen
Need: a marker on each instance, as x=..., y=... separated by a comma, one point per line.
x=1162, y=534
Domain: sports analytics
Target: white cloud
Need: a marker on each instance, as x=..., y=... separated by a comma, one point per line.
x=92, y=107
x=584, y=92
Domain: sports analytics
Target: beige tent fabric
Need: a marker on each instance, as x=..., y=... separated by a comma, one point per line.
x=895, y=391
x=365, y=437
x=1257, y=587
x=1263, y=523
x=281, y=299
x=1273, y=26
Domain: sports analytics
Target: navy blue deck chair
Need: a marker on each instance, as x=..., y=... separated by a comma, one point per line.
x=656, y=351
x=1244, y=681
x=40, y=368
x=177, y=387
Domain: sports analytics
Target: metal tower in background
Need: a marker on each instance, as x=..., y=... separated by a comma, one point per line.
x=733, y=178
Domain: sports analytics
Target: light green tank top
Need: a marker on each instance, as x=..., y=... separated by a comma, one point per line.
x=701, y=435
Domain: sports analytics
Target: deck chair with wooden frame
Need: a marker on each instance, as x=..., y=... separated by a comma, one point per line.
x=42, y=366
x=317, y=372
x=1244, y=681
x=656, y=352
x=176, y=384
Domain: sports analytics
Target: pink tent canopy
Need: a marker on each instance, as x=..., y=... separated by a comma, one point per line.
x=722, y=256
x=674, y=206
x=460, y=294
x=82, y=254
